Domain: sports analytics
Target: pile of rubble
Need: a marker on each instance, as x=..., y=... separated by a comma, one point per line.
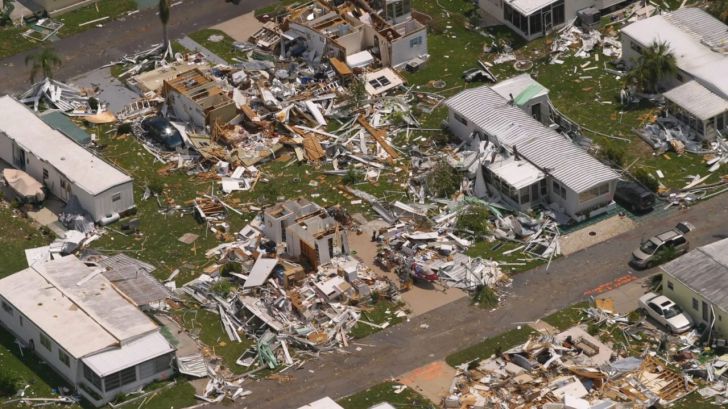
x=576, y=369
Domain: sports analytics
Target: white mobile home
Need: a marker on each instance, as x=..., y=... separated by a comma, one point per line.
x=90, y=334
x=532, y=19
x=65, y=168
x=699, y=43
x=698, y=282
x=525, y=162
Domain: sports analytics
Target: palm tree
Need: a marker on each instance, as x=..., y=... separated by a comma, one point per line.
x=164, y=18
x=43, y=62
x=655, y=64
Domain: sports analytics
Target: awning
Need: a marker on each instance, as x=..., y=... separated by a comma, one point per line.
x=138, y=351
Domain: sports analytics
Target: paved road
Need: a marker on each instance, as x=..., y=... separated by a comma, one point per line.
x=93, y=48
x=457, y=325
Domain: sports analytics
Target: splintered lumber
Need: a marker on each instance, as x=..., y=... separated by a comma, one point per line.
x=312, y=146
x=378, y=136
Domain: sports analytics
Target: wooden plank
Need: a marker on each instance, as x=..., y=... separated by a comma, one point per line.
x=378, y=136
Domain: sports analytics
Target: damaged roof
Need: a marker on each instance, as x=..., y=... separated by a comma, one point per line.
x=81, y=167
x=698, y=41
x=74, y=305
x=543, y=146
x=705, y=271
x=697, y=100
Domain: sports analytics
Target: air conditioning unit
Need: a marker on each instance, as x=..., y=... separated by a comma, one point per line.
x=589, y=17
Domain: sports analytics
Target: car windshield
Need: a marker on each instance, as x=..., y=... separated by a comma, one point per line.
x=672, y=311
x=648, y=247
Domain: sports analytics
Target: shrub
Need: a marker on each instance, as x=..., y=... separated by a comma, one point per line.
x=474, y=218
x=613, y=155
x=230, y=267
x=351, y=177
x=443, y=180
x=222, y=288
x=644, y=177
x=93, y=103
x=124, y=128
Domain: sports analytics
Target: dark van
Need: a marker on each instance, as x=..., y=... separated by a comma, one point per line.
x=634, y=197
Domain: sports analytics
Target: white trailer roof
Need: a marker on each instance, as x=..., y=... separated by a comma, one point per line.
x=75, y=305
x=697, y=100
x=698, y=41
x=138, y=351
x=80, y=166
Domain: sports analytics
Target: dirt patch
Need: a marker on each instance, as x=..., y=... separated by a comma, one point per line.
x=432, y=380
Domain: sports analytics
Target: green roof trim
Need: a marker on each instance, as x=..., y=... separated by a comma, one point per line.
x=528, y=94
x=60, y=122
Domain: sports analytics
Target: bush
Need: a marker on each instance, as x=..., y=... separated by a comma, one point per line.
x=351, y=177
x=124, y=128
x=8, y=384
x=93, y=103
x=613, y=155
x=222, y=288
x=443, y=180
x=647, y=180
x=230, y=267
x=475, y=219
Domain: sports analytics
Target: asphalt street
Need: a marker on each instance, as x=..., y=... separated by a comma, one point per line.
x=453, y=327
x=99, y=46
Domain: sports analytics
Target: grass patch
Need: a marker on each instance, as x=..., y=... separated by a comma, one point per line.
x=591, y=102
x=379, y=313
x=694, y=401
x=102, y=8
x=26, y=369
x=568, y=317
x=223, y=48
x=384, y=392
x=181, y=395
x=20, y=235
x=12, y=42
x=208, y=327
x=485, y=297
x=275, y=9
x=491, y=346
x=514, y=262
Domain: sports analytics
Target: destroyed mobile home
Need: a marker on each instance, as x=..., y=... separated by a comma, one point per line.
x=639, y=368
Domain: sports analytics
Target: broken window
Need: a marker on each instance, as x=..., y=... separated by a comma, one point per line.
x=116, y=197
x=63, y=357
x=45, y=341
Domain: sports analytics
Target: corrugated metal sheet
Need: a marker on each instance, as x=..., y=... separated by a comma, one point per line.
x=133, y=278
x=548, y=149
x=701, y=24
x=705, y=271
x=697, y=100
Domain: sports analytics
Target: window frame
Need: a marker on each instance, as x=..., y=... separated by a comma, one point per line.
x=45, y=340
x=116, y=197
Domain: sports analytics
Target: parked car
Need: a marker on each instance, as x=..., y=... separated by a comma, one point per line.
x=163, y=132
x=652, y=250
x=633, y=197
x=666, y=312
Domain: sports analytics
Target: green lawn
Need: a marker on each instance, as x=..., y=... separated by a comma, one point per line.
x=494, y=251
x=278, y=7
x=223, y=49
x=591, y=102
x=20, y=235
x=379, y=313
x=208, y=327
x=568, y=317
x=12, y=42
x=491, y=346
x=385, y=392
x=25, y=369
